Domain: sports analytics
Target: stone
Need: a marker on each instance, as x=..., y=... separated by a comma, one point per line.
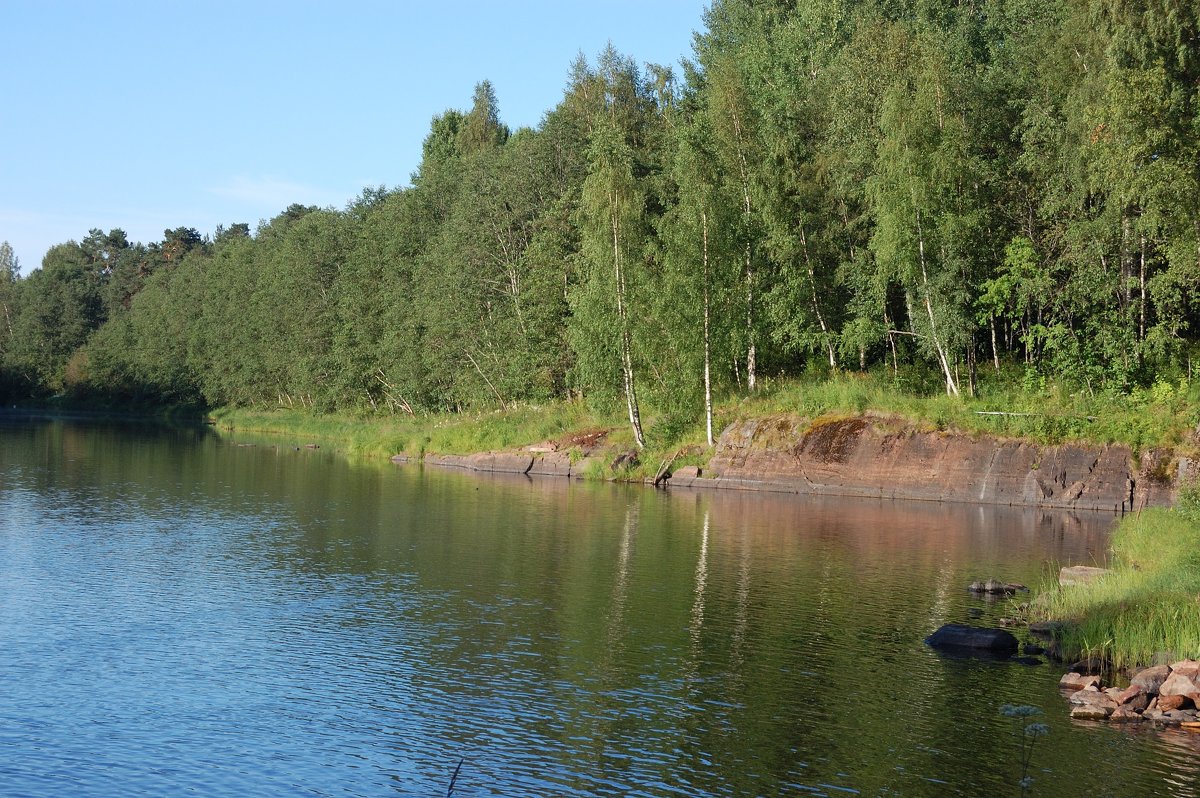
x=1177, y=716
x=886, y=457
x=400, y=459
x=1090, y=712
x=1077, y=681
x=1170, y=703
x=1033, y=650
x=551, y=464
x=1134, y=697
x=1125, y=714
x=1026, y=660
x=1081, y=574
x=502, y=462
x=1183, y=681
x=686, y=472
x=1091, y=697
x=960, y=637
x=1151, y=679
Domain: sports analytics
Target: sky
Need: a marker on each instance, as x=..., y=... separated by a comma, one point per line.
x=159, y=114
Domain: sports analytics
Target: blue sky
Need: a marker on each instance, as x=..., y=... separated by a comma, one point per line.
x=159, y=114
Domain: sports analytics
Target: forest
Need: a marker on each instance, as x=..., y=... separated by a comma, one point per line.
x=937, y=192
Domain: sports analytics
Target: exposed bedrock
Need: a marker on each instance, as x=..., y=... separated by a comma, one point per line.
x=886, y=458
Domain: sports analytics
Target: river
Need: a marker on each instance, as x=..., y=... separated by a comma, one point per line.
x=186, y=613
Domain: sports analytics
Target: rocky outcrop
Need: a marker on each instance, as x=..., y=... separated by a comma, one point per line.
x=547, y=464
x=884, y=458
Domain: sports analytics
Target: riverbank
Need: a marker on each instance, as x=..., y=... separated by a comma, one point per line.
x=849, y=435
x=1146, y=611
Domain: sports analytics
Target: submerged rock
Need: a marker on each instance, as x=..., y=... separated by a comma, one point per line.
x=962, y=638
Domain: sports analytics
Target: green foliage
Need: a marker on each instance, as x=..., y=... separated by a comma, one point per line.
x=995, y=200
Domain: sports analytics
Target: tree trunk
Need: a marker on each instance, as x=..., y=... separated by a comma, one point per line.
x=995, y=352
x=708, y=412
x=812, y=284
x=951, y=383
x=631, y=402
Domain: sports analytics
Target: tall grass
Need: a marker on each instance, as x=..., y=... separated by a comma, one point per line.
x=1149, y=606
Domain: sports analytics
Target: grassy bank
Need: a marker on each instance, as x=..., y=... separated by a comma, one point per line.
x=1150, y=604
x=1161, y=416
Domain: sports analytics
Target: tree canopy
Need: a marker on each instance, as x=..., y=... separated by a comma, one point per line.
x=845, y=184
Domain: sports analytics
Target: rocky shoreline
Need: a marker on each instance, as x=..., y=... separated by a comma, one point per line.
x=874, y=457
x=1164, y=694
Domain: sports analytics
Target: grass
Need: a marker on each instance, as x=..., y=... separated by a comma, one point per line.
x=414, y=435
x=1006, y=406
x=1149, y=607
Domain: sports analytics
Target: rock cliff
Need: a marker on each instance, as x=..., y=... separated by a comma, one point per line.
x=886, y=458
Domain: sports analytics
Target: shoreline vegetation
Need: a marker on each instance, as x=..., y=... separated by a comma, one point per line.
x=1141, y=420
x=1147, y=610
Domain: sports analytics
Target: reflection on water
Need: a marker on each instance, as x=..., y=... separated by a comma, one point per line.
x=180, y=613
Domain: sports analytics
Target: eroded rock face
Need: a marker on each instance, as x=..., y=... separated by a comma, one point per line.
x=878, y=457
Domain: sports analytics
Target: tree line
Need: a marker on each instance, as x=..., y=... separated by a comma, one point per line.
x=937, y=188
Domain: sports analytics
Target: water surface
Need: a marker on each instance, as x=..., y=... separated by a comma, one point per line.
x=183, y=614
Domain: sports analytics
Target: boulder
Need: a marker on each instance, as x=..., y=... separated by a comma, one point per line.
x=1177, y=716
x=1125, y=714
x=1134, y=697
x=1183, y=686
x=1077, y=681
x=963, y=638
x=1151, y=679
x=1090, y=712
x=1170, y=703
x=1091, y=704
x=1080, y=574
